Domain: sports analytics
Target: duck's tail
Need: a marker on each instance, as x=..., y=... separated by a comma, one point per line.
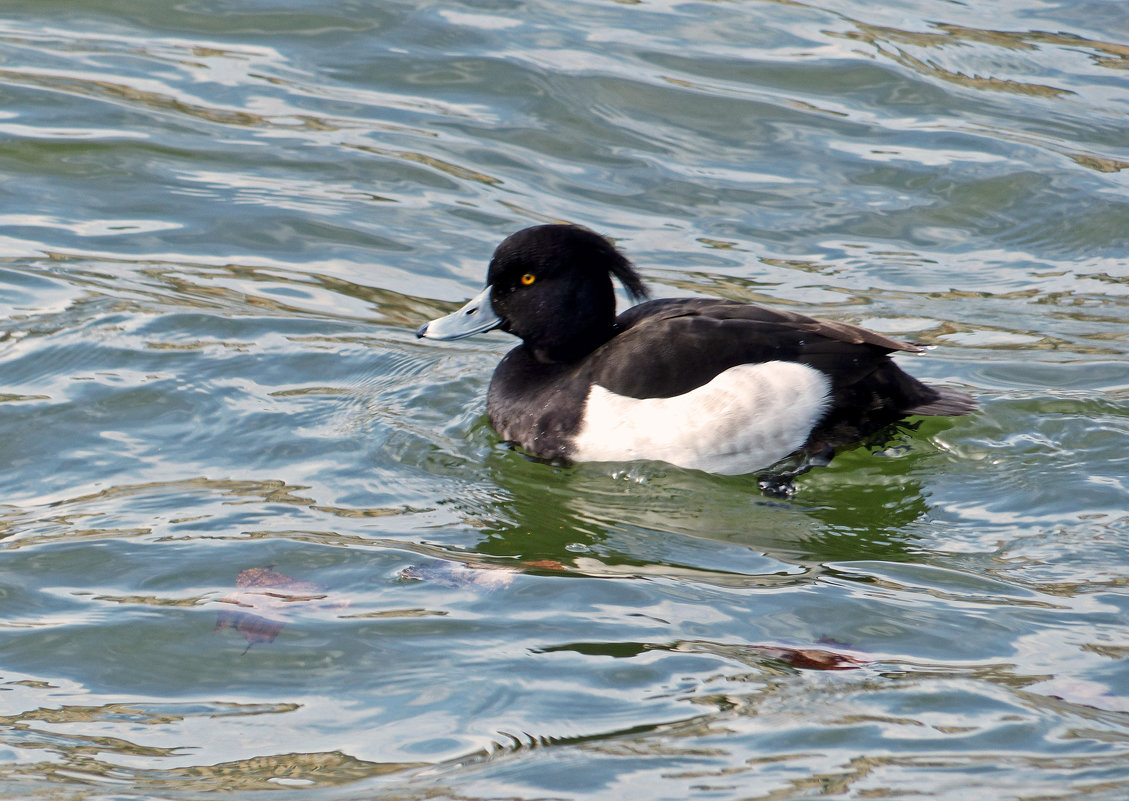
x=949, y=402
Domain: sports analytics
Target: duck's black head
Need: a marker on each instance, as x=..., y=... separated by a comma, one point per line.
x=551, y=285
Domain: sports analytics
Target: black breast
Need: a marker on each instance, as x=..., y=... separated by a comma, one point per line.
x=539, y=406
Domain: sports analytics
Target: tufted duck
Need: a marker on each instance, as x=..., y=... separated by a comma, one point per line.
x=702, y=383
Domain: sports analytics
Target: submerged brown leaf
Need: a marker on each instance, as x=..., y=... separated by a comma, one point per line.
x=480, y=575
x=812, y=658
x=259, y=605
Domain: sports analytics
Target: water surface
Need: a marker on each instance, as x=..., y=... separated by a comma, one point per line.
x=256, y=539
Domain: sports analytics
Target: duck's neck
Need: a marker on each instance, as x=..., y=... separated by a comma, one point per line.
x=573, y=348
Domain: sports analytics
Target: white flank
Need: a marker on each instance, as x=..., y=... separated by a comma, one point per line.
x=746, y=418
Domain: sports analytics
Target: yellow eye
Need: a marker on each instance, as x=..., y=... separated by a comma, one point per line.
x=528, y=279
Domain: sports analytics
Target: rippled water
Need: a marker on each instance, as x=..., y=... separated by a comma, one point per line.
x=257, y=537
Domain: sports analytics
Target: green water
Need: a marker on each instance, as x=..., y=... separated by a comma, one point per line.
x=256, y=540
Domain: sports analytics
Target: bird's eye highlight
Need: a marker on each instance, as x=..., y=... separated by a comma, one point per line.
x=528, y=279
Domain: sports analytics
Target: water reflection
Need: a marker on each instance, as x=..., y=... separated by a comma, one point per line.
x=653, y=514
x=116, y=762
